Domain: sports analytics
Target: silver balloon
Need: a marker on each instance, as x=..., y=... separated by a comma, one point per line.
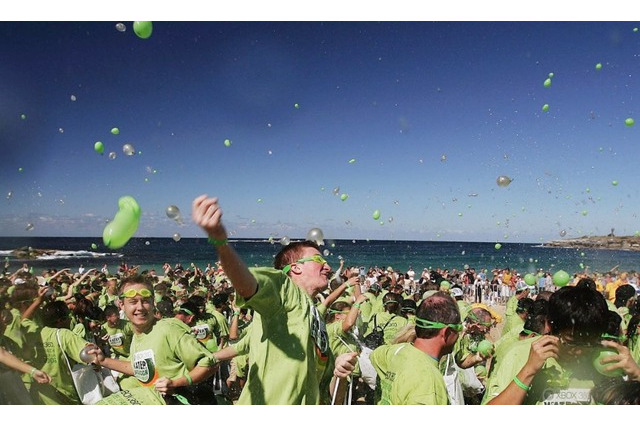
x=285, y=241
x=315, y=235
x=121, y=27
x=173, y=212
x=563, y=233
x=146, y=243
x=176, y=237
x=326, y=252
x=86, y=357
x=503, y=181
x=128, y=149
x=29, y=227
x=112, y=155
x=336, y=190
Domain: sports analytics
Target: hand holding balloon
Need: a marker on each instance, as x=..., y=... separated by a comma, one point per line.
x=125, y=223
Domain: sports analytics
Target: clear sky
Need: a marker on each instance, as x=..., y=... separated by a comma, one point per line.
x=414, y=119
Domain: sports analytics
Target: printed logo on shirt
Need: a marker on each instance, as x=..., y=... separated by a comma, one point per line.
x=116, y=340
x=202, y=332
x=573, y=396
x=144, y=367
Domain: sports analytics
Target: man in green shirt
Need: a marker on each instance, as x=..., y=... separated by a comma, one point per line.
x=289, y=346
x=408, y=372
x=522, y=291
x=166, y=357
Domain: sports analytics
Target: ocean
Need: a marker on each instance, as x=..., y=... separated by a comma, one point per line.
x=152, y=253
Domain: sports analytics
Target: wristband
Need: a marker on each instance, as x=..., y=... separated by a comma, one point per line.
x=189, y=379
x=357, y=305
x=218, y=242
x=521, y=385
x=33, y=370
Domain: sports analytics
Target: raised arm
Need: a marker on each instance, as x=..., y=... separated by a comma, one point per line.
x=28, y=313
x=207, y=215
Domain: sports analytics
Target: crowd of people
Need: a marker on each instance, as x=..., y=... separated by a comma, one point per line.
x=301, y=333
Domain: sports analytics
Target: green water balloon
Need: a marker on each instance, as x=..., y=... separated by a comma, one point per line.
x=143, y=29
x=561, y=278
x=600, y=368
x=530, y=279
x=376, y=214
x=99, y=147
x=124, y=224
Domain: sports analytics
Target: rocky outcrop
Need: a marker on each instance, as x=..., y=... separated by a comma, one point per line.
x=600, y=243
x=30, y=252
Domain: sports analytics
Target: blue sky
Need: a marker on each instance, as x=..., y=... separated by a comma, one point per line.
x=431, y=112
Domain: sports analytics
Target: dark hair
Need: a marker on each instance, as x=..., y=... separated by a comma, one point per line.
x=340, y=305
x=439, y=307
x=111, y=310
x=199, y=301
x=53, y=312
x=135, y=279
x=623, y=294
x=218, y=300
x=616, y=391
x=579, y=310
x=524, y=305
x=613, y=325
x=187, y=307
x=391, y=302
x=291, y=252
x=408, y=306
x=537, y=317
x=165, y=307
x=586, y=281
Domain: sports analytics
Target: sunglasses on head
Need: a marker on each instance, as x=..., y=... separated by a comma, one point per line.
x=132, y=292
x=315, y=258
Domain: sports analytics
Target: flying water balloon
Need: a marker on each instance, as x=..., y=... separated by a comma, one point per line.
x=173, y=212
x=344, y=197
x=629, y=122
x=94, y=246
x=316, y=235
x=99, y=147
x=498, y=246
x=376, y=214
x=547, y=82
x=29, y=227
x=563, y=233
x=115, y=131
x=285, y=241
x=143, y=29
x=121, y=27
x=545, y=108
x=598, y=66
x=112, y=155
x=336, y=190
x=227, y=142
x=530, y=279
x=124, y=224
x=128, y=149
x=561, y=278
x=503, y=181
x=176, y=237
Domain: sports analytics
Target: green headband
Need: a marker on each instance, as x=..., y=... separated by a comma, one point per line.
x=423, y=323
x=187, y=311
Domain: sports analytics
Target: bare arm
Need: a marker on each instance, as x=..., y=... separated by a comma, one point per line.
x=28, y=313
x=11, y=361
x=207, y=214
x=545, y=347
x=351, y=319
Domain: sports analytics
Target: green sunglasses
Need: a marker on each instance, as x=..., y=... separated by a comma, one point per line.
x=423, y=323
x=132, y=292
x=315, y=258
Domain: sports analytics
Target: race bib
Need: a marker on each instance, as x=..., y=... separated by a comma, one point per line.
x=144, y=367
x=202, y=332
x=116, y=340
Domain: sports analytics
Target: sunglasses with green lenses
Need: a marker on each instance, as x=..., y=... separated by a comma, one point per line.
x=315, y=258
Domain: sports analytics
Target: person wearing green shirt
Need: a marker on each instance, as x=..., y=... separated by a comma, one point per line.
x=559, y=369
x=408, y=372
x=516, y=321
x=56, y=341
x=289, y=346
x=390, y=320
x=522, y=291
x=165, y=356
x=118, y=332
x=109, y=293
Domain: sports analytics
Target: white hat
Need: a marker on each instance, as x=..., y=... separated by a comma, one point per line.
x=19, y=281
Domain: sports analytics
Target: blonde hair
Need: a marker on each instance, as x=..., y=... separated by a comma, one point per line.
x=406, y=334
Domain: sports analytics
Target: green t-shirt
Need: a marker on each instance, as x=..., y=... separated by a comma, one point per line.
x=204, y=327
x=554, y=384
x=392, y=323
x=512, y=322
x=288, y=340
x=221, y=328
x=119, y=337
x=341, y=342
x=510, y=308
x=169, y=350
x=61, y=390
x=14, y=333
x=464, y=308
x=507, y=362
x=106, y=299
x=372, y=306
x=408, y=376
